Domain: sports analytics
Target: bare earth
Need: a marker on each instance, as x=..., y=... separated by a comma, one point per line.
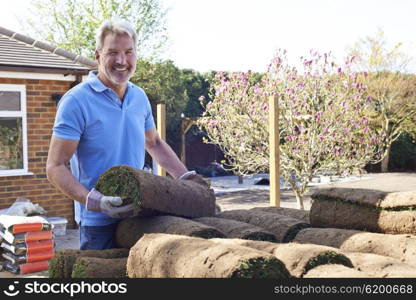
x=255, y=198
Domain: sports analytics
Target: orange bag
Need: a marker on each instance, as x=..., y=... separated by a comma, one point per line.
x=28, y=247
x=28, y=258
x=26, y=268
x=26, y=236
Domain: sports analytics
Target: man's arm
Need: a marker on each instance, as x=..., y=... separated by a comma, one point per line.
x=163, y=154
x=60, y=152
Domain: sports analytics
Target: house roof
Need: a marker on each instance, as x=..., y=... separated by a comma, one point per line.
x=18, y=51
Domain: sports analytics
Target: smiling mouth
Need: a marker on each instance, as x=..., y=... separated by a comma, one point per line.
x=120, y=69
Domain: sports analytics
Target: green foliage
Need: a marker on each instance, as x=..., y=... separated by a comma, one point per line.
x=162, y=82
x=178, y=89
x=71, y=24
x=196, y=85
x=11, y=146
x=403, y=154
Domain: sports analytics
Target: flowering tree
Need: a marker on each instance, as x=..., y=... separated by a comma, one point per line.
x=322, y=122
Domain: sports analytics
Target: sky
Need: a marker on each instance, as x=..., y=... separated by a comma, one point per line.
x=242, y=35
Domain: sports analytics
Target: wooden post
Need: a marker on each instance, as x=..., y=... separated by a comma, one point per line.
x=161, y=129
x=186, y=124
x=274, y=159
x=240, y=179
x=183, y=147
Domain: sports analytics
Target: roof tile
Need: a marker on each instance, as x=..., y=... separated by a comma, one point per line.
x=18, y=50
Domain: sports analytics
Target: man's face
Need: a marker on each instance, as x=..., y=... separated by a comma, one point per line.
x=116, y=60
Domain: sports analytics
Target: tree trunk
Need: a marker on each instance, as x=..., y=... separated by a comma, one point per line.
x=298, y=194
x=299, y=201
x=385, y=161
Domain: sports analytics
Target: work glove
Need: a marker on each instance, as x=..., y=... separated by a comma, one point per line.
x=193, y=176
x=108, y=205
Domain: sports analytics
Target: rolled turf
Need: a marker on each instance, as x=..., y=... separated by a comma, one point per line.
x=364, y=209
x=335, y=271
x=60, y=266
x=298, y=258
x=176, y=256
x=286, y=211
x=237, y=229
x=399, y=246
x=93, y=267
x=130, y=230
x=284, y=228
x=153, y=194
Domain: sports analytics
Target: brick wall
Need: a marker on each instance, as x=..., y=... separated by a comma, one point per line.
x=41, y=111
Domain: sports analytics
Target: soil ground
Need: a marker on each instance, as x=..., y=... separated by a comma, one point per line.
x=255, y=198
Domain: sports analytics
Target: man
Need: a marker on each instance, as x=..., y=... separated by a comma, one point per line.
x=103, y=122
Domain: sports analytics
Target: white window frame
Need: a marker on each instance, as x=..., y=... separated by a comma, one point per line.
x=19, y=114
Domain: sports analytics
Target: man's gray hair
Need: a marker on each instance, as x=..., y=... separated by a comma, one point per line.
x=116, y=26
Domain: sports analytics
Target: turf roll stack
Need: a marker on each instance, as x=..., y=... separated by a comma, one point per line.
x=283, y=227
x=61, y=266
x=130, y=230
x=364, y=209
x=298, y=258
x=381, y=266
x=176, y=256
x=238, y=230
x=399, y=246
x=299, y=214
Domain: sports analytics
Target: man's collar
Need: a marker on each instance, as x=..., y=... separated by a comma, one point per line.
x=95, y=82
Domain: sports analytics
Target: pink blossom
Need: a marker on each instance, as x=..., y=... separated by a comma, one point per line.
x=212, y=123
x=307, y=63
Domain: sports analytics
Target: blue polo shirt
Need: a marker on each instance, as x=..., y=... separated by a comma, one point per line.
x=110, y=133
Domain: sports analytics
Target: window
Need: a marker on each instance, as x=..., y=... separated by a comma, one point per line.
x=13, y=137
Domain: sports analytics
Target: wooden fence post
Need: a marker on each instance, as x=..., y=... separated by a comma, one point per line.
x=161, y=129
x=274, y=158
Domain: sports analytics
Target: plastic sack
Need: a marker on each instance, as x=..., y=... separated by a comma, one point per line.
x=18, y=224
x=24, y=207
x=28, y=258
x=29, y=248
x=26, y=268
x=26, y=236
